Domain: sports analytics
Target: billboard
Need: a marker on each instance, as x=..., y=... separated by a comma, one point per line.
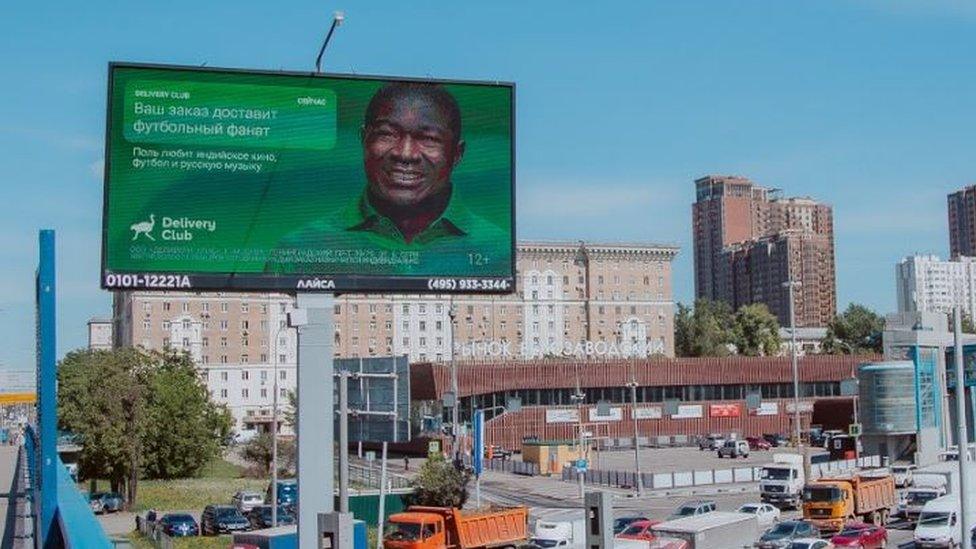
x=688, y=411
x=224, y=179
x=723, y=410
x=562, y=415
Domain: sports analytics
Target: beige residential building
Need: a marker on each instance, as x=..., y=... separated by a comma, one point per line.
x=572, y=299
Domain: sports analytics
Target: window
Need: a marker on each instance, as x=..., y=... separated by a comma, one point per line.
x=282, y=358
x=223, y=342
x=283, y=374
x=599, y=279
x=337, y=309
x=406, y=325
x=264, y=357
x=223, y=376
x=423, y=308
x=146, y=324
x=223, y=306
x=372, y=325
x=185, y=307
x=245, y=324
x=264, y=308
x=282, y=392
x=245, y=359
x=223, y=359
x=244, y=393
x=223, y=393
x=406, y=308
x=245, y=307
x=264, y=325
x=205, y=359
x=206, y=306
x=438, y=308
x=282, y=307
x=147, y=307
x=406, y=342
x=165, y=342
x=388, y=324
x=166, y=324
x=166, y=305
x=355, y=308
x=372, y=308
x=186, y=342
x=438, y=325
x=423, y=326
x=423, y=342
x=223, y=325
x=245, y=375
x=264, y=393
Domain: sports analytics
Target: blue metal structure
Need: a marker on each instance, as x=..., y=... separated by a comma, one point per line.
x=47, y=415
x=478, y=446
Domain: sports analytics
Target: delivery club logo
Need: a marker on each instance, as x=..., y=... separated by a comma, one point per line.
x=174, y=228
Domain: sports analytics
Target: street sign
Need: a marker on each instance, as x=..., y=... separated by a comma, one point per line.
x=848, y=387
x=581, y=466
x=854, y=429
x=753, y=401
x=448, y=399
x=433, y=447
x=370, y=456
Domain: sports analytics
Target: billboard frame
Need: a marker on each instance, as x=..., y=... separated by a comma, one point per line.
x=298, y=283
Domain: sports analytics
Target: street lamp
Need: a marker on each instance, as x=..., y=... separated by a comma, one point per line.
x=791, y=285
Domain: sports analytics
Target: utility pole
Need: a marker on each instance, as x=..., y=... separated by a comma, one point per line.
x=578, y=397
x=454, y=386
x=797, y=432
x=344, y=441
x=639, y=485
x=962, y=436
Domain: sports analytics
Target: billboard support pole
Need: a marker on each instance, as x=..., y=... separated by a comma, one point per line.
x=344, y=441
x=962, y=438
x=316, y=412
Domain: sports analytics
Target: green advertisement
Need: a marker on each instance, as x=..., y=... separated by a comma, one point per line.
x=220, y=179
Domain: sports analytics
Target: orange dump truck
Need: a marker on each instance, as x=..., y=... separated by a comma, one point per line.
x=830, y=503
x=447, y=528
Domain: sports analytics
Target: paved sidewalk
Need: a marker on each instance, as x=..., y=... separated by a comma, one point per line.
x=11, y=501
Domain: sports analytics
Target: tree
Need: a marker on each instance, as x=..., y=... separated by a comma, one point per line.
x=138, y=414
x=756, y=331
x=857, y=330
x=440, y=484
x=258, y=451
x=185, y=429
x=706, y=330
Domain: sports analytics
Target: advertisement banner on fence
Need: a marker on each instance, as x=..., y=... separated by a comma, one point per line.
x=652, y=412
x=614, y=414
x=766, y=409
x=688, y=411
x=562, y=416
x=723, y=410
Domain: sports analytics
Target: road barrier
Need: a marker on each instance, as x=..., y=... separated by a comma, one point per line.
x=707, y=477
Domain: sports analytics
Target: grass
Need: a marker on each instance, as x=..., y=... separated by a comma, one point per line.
x=217, y=483
x=197, y=542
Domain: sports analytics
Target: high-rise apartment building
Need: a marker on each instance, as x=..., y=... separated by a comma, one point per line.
x=572, y=298
x=962, y=222
x=928, y=284
x=749, y=240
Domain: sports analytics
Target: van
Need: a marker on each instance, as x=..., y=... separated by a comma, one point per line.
x=939, y=524
x=734, y=449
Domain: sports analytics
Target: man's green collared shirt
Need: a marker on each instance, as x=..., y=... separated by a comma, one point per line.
x=358, y=239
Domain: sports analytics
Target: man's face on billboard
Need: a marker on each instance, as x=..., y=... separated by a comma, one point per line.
x=409, y=150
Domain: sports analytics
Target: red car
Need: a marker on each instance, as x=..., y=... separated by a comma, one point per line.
x=756, y=443
x=639, y=530
x=858, y=534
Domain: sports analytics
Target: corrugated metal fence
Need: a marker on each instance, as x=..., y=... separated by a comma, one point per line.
x=706, y=477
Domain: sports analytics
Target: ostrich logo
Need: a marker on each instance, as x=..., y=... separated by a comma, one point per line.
x=144, y=227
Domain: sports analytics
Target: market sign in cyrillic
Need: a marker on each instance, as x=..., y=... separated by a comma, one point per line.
x=223, y=179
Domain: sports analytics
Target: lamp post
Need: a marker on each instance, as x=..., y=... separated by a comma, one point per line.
x=791, y=285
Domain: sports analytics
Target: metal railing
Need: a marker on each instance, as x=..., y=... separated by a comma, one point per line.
x=369, y=478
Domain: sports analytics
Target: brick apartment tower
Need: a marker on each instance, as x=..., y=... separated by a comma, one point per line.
x=962, y=222
x=748, y=240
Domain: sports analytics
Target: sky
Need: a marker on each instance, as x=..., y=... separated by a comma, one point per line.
x=866, y=105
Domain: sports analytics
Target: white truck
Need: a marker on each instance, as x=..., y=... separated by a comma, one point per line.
x=939, y=524
x=715, y=529
x=929, y=483
x=781, y=482
x=567, y=533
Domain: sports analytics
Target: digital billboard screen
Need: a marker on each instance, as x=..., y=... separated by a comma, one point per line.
x=221, y=179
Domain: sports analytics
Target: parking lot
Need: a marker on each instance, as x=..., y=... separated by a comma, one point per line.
x=667, y=460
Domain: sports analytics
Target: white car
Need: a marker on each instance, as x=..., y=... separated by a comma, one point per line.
x=765, y=513
x=810, y=543
x=903, y=475
x=246, y=501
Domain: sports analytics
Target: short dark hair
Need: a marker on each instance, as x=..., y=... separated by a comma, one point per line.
x=435, y=93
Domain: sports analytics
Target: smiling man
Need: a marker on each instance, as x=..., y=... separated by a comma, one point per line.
x=409, y=218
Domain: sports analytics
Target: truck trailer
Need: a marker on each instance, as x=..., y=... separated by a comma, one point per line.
x=715, y=529
x=830, y=503
x=448, y=528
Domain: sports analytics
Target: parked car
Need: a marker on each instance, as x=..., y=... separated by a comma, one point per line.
x=95, y=504
x=864, y=536
x=246, y=500
x=621, y=524
x=177, y=525
x=260, y=517
x=904, y=475
x=784, y=533
x=639, y=530
x=776, y=439
x=765, y=513
x=810, y=543
x=287, y=493
x=111, y=502
x=711, y=442
x=734, y=449
x=222, y=519
x=757, y=443
x=693, y=508
x=497, y=452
